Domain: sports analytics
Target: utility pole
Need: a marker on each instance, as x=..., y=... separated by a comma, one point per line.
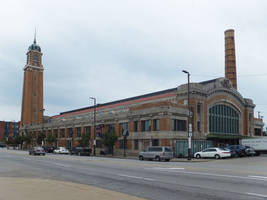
x=189, y=125
x=94, y=123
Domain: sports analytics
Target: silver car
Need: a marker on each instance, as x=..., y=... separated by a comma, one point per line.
x=157, y=153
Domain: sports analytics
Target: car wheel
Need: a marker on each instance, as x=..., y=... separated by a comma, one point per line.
x=30, y=153
x=167, y=160
x=198, y=156
x=157, y=158
x=217, y=156
x=141, y=158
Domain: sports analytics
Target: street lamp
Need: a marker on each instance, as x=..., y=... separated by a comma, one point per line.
x=94, y=122
x=189, y=125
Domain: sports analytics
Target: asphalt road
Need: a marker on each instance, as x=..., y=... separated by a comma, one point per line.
x=242, y=178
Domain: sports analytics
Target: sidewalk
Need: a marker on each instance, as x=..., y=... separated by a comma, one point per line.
x=43, y=189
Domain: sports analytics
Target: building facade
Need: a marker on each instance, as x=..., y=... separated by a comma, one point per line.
x=8, y=130
x=219, y=114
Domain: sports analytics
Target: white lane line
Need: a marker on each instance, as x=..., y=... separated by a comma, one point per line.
x=165, y=168
x=136, y=177
x=257, y=195
x=216, y=175
x=258, y=177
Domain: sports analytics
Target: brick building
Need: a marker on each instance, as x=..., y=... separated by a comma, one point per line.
x=8, y=129
x=219, y=114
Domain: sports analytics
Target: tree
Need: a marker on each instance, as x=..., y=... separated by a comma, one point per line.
x=40, y=138
x=27, y=139
x=51, y=139
x=109, y=139
x=18, y=140
x=84, y=141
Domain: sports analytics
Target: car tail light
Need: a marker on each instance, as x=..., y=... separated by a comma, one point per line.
x=226, y=152
x=37, y=150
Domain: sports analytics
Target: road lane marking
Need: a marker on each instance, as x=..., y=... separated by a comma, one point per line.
x=166, y=168
x=137, y=177
x=216, y=175
x=257, y=195
x=258, y=177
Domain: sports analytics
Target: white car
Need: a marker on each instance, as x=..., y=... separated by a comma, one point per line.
x=61, y=150
x=213, y=152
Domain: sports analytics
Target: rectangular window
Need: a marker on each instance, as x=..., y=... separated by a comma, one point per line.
x=62, y=133
x=88, y=130
x=198, y=108
x=78, y=131
x=111, y=128
x=56, y=133
x=146, y=125
x=198, y=126
x=70, y=132
x=136, y=125
x=178, y=125
x=155, y=142
x=136, y=145
x=156, y=124
x=124, y=128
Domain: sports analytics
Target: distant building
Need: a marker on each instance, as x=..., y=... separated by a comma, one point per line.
x=220, y=115
x=8, y=130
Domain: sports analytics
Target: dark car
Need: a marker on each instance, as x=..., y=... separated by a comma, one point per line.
x=250, y=151
x=2, y=145
x=81, y=151
x=49, y=149
x=233, y=152
x=37, y=151
x=239, y=150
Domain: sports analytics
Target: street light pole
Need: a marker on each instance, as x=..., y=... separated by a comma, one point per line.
x=189, y=125
x=94, y=123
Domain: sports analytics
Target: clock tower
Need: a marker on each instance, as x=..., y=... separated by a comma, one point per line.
x=32, y=97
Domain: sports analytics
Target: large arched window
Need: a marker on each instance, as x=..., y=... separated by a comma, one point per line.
x=223, y=119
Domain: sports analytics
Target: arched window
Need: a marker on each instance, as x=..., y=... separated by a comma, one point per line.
x=223, y=119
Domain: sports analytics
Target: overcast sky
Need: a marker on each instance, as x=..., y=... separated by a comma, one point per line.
x=114, y=49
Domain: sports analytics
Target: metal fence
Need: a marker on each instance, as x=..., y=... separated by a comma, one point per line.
x=181, y=147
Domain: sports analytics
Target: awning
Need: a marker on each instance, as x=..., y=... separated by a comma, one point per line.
x=225, y=136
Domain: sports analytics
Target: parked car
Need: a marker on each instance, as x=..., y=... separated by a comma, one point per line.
x=233, y=153
x=213, y=152
x=49, y=149
x=157, y=153
x=239, y=149
x=81, y=151
x=61, y=150
x=2, y=145
x=37, y=151
x=250, y=151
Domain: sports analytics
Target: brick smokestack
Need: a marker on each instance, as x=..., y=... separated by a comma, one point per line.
x=230, y=63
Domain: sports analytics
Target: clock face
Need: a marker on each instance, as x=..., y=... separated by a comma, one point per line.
x=35, y=57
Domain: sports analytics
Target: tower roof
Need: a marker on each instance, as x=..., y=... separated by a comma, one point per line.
x=34, y=46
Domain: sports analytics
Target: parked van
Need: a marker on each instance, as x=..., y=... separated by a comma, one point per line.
x=157, y=153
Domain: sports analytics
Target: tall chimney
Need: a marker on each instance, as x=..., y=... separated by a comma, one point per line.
x=230, y=64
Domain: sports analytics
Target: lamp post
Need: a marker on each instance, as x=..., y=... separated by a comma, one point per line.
x=94, y=122
x=189, y=125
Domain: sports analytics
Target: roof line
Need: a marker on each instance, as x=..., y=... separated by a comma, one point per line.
x=123, y=100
